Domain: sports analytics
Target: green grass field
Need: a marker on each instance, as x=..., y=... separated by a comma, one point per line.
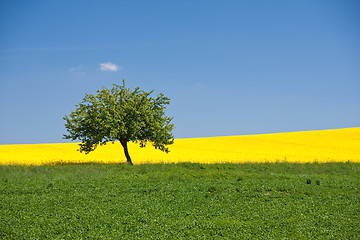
x=181, y=201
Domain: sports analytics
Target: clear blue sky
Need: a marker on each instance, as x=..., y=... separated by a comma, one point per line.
x=229, y=67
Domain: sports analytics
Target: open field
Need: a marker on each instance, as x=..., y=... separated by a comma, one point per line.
x=180, y=201
x=339, y=145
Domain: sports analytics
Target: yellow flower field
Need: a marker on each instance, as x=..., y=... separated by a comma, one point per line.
x=338, y=145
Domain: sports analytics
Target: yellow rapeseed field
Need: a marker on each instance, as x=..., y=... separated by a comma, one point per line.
x=338, y=145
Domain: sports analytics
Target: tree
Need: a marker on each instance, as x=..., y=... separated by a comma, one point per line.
x=120, y=115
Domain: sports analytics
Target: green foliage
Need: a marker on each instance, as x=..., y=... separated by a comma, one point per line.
x=180, y=201
x=119, y=114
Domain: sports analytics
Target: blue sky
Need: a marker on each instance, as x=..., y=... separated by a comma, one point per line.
x=229, y=67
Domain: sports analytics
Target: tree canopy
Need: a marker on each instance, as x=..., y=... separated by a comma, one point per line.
x=118, y=114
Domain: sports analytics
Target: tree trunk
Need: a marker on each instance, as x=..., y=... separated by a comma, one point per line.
x=128, y=159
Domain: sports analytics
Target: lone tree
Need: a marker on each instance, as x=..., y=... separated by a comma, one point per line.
x=120, y=115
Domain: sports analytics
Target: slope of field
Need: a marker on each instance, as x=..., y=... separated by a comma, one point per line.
x=338, y=145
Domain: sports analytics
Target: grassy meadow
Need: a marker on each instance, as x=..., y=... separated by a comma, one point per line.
x=338, y=145
x=180, y=201
x=304, y=185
